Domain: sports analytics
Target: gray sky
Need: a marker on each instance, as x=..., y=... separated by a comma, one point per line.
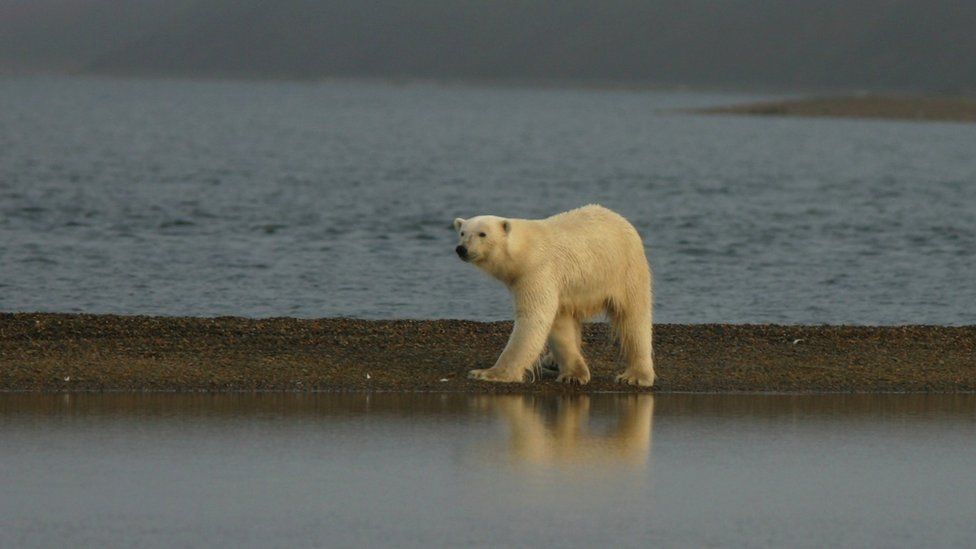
x=862, y=44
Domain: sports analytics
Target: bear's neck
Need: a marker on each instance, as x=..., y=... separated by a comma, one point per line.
x=519, y=258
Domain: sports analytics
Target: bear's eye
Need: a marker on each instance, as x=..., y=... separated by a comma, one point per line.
x=462, y=233
x=482, y=235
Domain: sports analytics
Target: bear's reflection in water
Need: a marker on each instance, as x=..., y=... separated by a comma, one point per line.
x=575, y=430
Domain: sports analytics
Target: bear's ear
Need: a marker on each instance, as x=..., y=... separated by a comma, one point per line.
x=457, y=224
x=506, y=226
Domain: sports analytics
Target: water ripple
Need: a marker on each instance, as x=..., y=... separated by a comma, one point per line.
x=337, y=199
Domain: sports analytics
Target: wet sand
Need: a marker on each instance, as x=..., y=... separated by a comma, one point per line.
x=934, y=108
x=72, y=352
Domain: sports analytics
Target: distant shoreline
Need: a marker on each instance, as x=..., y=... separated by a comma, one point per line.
x=74, y=352
x=922, y=108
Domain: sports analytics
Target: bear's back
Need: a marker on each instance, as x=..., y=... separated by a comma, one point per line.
x=590, y=223
x=592, y=243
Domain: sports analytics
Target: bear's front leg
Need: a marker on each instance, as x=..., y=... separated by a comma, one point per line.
x=533, y=320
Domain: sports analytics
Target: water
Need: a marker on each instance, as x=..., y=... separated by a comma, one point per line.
x=449, y=470
x=336, y=198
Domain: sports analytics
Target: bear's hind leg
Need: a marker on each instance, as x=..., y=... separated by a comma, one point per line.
x=564, y=341
x=633, y=329
x=547, y=365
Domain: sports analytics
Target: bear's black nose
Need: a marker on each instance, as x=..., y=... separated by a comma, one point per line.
x=462, y=252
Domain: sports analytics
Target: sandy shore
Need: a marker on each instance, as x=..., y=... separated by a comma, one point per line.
x=64, y=352
x=952, y=109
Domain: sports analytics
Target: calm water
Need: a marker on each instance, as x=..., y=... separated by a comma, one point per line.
x=335, y=198
x=436, y=470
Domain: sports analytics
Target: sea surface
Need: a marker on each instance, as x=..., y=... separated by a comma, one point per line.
x=386, y=470
x=335, y=198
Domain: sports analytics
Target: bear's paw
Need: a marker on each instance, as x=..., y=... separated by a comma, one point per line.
x=576, y=378
x=496, y=374
x=639, y=378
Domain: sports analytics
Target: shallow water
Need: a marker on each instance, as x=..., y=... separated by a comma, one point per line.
x=336, y=198
x=436, y=470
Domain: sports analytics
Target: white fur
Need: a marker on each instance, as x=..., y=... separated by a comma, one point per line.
x=562, y=270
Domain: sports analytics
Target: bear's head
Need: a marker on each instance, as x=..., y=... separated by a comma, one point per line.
x=483, y=241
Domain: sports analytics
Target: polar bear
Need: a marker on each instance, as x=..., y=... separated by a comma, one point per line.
x=562, y=270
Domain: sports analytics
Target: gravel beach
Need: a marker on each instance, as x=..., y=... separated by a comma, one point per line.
x=78, y=352
x=934, y=108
